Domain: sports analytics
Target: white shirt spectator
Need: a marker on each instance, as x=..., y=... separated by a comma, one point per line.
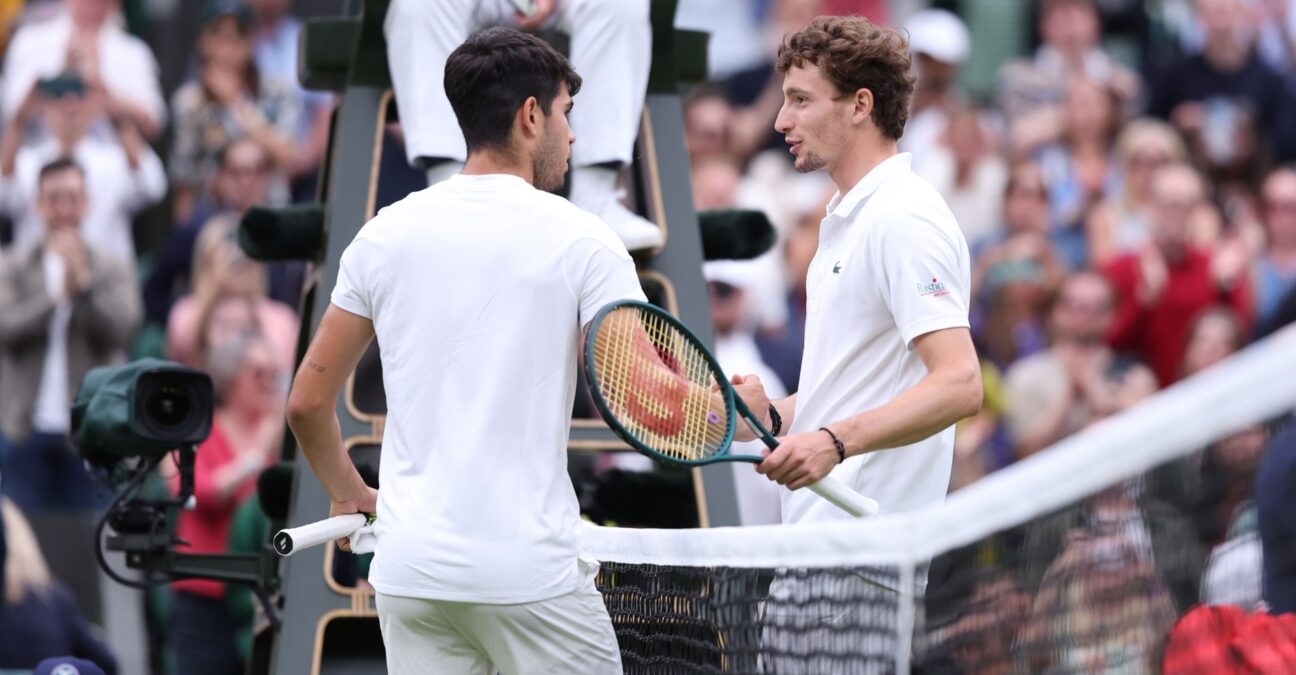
x=114, y=192
x=51, y=415
x=127, y=65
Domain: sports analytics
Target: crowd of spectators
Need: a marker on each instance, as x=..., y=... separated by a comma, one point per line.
x=1124, y=182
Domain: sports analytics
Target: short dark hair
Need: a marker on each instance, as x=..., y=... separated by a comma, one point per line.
x=490, y=75
x=855, y=53
x=58, y=166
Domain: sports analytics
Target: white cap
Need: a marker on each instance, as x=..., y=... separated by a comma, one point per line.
x=940, y=35
x=737, y=273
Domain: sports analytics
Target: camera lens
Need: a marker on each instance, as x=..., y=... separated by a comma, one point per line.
x=173, y=406
x=168, y=406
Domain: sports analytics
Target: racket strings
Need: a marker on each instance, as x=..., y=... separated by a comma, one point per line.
x=659, y=385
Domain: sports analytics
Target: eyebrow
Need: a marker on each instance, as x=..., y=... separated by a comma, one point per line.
x=793, y=91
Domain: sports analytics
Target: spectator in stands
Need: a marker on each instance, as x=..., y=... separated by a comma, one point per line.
x=1075, y=155
x=1014, y=286
x=1070, y=30
x=247, y=432
x=611, y=42
x=1120, y=222
x=242, y=181
x=708, y=123
x=38, y=617
x=1102, y=607
x=782, y=347
x=1228, y=473
x=982, y=638
x=1164, y=285
x=1204, y=485
x=962, y=165
x=122, y=173
x=1057, y=392
x=1025, y=214
x=718, y=184
x=229, y=100
x=85, y=40
x=68, y=308
x=1275, y=492
x=221, y=271
x=940, y=44
x=1225, y=100
x=1216, y=333
x=275, y=37
x=736, y=352
x=1275, y=270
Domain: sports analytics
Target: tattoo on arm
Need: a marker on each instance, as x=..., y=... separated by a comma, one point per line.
x=315, y=366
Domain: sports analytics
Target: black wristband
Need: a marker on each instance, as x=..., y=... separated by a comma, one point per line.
x=841, y=448
x=776, y=421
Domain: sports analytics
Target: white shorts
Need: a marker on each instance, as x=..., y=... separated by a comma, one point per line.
x=567, y=634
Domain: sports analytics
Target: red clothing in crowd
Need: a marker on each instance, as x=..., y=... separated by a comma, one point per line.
x=1159, y=333
x=207, y=526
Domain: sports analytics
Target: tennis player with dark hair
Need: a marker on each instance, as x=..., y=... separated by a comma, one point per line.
x=889, y=365
x=477, y=289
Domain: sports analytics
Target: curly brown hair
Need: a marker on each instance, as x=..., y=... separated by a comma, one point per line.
x=855, y=54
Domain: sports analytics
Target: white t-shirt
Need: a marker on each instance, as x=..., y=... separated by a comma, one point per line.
x=51, y=414
x=891, y=266
x=478, y=289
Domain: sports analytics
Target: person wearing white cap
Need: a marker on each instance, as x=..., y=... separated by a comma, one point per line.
x=611, y=46
x=729, y=286
x=940, y=43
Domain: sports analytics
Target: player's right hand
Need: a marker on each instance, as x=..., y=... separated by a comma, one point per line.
x=752, y=392
x=366, y=503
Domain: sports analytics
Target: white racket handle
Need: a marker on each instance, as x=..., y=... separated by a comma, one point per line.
x=845, y=498
x=288, y=541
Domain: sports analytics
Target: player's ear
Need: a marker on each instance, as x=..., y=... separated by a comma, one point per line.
x=529, y=117
x=863, y=104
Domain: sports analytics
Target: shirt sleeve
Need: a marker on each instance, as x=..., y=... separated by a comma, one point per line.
x=607, y=275
x=926, y=277
x=353, y=291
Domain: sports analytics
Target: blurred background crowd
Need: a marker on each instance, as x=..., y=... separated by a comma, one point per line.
x=1121, y=170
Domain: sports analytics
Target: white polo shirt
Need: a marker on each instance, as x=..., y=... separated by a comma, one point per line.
x=892, y=265
x=478, y=289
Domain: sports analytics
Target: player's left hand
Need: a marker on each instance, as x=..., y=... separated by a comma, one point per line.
x=366, y=502
x=800, y=460
x=544, y=10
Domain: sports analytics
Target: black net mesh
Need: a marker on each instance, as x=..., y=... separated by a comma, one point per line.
x=678, y=620
x=1096, y=586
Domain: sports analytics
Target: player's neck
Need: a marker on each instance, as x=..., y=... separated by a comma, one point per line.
x=488, y=162
x=858, y=160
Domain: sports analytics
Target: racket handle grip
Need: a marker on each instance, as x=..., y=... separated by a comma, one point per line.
x=845, y=498
x=288, y=541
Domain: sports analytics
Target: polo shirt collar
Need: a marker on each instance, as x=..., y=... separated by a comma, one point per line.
x=843, y=205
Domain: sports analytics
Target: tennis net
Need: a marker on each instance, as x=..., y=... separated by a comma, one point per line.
x=1079, y=559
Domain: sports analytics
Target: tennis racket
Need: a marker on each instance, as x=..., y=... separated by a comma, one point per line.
x=664, y=394
x=354, y=525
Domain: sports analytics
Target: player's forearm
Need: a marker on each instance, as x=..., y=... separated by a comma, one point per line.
x=319, y=435
x=935, y=403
